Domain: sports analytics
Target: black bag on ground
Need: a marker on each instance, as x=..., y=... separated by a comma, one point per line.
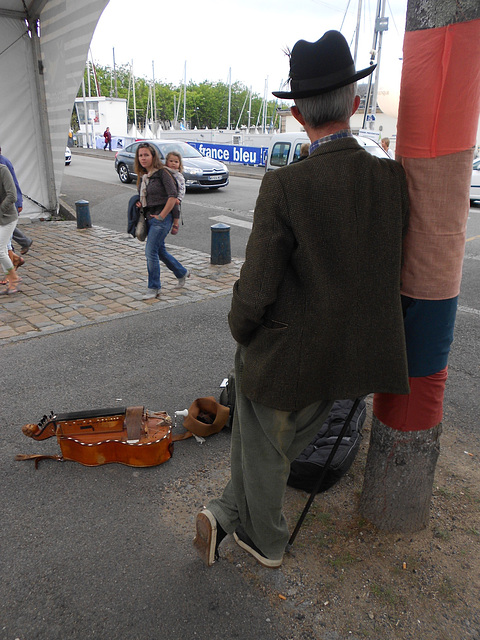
x=305, y=469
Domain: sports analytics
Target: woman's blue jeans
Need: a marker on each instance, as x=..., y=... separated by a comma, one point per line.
x=155, y=251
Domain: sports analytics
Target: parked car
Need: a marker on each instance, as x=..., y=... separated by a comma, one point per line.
x=68, y=155
x=199, y=172
x=475, y=183
x=285, y=148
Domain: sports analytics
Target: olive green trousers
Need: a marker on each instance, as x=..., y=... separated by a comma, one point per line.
x=264, y=443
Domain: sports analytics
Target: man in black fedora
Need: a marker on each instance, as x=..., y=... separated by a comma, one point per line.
x=316, y=312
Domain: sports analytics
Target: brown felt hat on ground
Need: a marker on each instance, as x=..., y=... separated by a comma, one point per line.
x=321, y=66
x=201, y=408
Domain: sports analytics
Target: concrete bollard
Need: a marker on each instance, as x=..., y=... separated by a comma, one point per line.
x=83, y=214
x=220, y=252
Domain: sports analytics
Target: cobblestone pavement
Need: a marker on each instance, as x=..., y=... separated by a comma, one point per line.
x=73, y=278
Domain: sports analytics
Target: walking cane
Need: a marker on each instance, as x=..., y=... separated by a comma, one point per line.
x=319, y=482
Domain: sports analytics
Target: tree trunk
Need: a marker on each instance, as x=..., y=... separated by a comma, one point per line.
x=399, y=477
x=430, y=14
x=437, y=125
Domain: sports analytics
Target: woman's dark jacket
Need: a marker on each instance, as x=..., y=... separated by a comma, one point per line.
x=133, y=213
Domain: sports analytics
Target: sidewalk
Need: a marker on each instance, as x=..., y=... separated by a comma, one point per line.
x=73, y=278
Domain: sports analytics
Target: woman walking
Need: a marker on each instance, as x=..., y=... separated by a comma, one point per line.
x=8, y=222
x=158, y=196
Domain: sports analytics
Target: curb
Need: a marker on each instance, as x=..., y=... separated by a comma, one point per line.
x=66, y=211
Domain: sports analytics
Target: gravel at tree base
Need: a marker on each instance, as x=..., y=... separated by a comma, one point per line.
x=345, y=579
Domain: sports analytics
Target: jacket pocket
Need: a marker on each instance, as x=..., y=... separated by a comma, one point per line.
x=268, y=323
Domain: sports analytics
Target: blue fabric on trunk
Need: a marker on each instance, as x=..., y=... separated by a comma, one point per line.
x=429, y=326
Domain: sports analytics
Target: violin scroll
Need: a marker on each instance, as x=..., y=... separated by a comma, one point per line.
x=45, y=428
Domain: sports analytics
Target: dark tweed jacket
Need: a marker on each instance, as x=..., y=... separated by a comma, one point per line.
x=318, y=299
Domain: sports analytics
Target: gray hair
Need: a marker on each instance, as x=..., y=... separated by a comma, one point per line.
x=334, y=106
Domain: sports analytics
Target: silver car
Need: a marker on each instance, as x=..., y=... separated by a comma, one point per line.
x=199, y=172
x=475, y=184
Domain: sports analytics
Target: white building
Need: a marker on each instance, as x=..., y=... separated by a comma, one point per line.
x=102, y=112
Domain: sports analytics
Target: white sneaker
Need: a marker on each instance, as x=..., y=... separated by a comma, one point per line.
x=181, y=281
x=151, y=293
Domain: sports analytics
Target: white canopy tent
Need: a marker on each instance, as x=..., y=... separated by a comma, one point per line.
x=43, y=49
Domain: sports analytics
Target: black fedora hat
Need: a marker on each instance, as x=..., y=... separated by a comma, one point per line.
x=322, y=66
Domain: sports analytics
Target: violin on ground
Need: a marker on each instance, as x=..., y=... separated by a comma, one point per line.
x=128, y=435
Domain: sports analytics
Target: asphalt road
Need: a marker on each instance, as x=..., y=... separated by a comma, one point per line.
x=106, y=552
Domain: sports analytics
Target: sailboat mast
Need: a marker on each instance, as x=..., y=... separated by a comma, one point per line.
x=381, y=25
x=115, y=74
x=87, y=128
x=134, y=99
x=264, y=123
x=88, y=79
x=185, y=96
x=357, y=32
x=154, y=94
x=229, y=96
x=95, y=79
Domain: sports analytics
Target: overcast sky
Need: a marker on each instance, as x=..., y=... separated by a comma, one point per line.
x=246, y=36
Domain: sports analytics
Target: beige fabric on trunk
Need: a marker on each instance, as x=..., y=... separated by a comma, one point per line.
x=435, y=242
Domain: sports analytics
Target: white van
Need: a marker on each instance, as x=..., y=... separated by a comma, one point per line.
x=285, y=148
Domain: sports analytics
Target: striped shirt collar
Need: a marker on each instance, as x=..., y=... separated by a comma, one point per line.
x=342, y=133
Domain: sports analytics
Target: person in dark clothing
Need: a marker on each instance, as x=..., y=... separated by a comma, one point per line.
x=8, y=222
x=316, y=312
x=108, y=139
x=18, y=236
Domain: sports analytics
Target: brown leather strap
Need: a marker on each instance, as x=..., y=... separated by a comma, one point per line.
x=133, y=422
x=37, y=457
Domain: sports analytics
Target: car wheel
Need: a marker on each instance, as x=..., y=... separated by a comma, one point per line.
x=124, y=174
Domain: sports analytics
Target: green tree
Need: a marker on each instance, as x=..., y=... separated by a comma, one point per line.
x=207, y=102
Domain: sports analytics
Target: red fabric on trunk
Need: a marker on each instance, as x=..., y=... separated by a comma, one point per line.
x=419, y=410
x=440, y=86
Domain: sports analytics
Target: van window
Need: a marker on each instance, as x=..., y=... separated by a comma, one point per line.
x=296, y=154
x=280, y=153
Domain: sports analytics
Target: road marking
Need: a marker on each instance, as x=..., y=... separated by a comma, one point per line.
x=469, y=310
x=237, y=223
x=472, y=238
x=208, y=206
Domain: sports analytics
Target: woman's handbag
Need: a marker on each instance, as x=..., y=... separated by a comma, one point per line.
x=141, y=229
